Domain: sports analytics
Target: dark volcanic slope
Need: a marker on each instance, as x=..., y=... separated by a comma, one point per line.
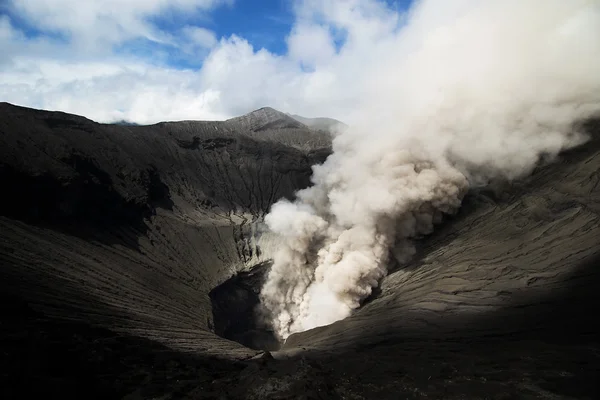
x=112, y=238
x=132, y=226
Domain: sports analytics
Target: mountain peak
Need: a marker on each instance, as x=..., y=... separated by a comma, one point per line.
x=267, y=118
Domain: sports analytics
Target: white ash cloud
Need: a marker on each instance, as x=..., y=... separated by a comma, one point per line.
x=465, y=91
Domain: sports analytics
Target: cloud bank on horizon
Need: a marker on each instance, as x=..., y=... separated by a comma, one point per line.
x=146, y=61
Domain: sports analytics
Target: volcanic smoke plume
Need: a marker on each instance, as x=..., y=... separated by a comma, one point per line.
x=466, y=91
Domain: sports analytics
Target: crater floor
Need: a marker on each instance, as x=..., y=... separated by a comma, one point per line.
x=117, y=243
x=236, y=310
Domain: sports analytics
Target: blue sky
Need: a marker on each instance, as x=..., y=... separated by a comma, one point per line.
x=264, y=23
x=191, y=58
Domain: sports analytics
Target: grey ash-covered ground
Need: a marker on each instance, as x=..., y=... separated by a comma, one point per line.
x=117, y=243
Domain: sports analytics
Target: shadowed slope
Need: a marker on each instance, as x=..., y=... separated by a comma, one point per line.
x=131, y=227
x=112, y=238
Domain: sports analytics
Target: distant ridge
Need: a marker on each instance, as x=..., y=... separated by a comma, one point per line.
x=267, y=118
x=269, y=124
x=125, y=123
x=321, y=123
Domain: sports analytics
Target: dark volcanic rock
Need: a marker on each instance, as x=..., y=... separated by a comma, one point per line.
x=117, y=242
x=236, y=316
x=130, y=227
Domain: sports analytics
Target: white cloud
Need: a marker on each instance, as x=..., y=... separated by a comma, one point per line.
x=201, y=37
x=235, y=77
x=311, y=44
x=100, y=23
x=109, y=92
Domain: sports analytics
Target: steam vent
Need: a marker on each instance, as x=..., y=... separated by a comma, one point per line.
x=132, y=259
